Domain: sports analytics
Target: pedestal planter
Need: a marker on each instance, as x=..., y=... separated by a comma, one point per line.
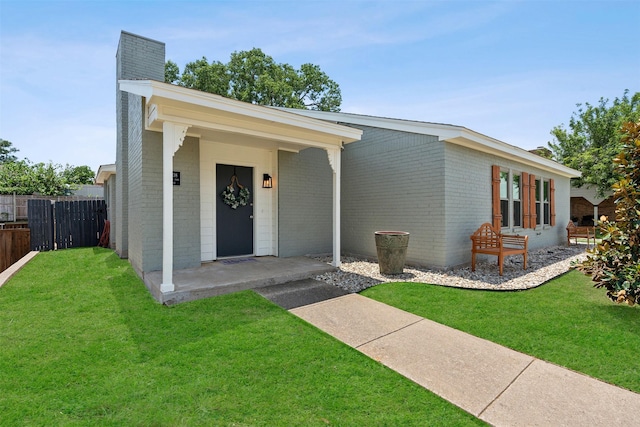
x=392, y=250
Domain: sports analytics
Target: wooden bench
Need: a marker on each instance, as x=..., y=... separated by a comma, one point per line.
x=487, y=241
x=575, y=231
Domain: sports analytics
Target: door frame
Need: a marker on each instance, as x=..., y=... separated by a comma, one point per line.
x=265, y=211
x=252, y=198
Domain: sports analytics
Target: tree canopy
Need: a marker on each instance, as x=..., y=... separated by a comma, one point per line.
x=252, y=76
x=594, y=139
x=614, y=264
x=48, y=179
x=6, y=151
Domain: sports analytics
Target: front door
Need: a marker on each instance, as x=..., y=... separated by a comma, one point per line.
x=234, y=210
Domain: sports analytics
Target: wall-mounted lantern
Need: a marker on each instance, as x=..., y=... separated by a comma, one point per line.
x=267, y=181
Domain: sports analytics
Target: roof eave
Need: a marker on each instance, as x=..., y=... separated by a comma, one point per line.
x=152, y=90
x=449, y=133
x=476, y=141
x=104, y=172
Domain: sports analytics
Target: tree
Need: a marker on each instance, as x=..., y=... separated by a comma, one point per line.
x=594, y=139
x=78, y=175
x=24, y=177
x=615, y=263
x=252, y=76
x=6, y=151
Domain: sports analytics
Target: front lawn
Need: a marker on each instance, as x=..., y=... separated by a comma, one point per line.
x=83, y=343
x=566, y=321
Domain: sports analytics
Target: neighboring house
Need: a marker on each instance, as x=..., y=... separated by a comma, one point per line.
x=335, y=179
x=106, y=177
x=86, y=190
x=587, y=206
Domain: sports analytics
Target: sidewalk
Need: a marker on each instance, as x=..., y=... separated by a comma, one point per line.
x=496, y=384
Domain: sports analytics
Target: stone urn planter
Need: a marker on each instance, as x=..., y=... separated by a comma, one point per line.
x=392, y=250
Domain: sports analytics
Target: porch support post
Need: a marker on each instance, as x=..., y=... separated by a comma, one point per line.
x=334, y=160
x=172, y=138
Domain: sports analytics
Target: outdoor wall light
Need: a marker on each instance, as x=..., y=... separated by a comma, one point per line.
x=266, y=181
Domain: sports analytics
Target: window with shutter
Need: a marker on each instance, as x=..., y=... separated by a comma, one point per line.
x=522, y=199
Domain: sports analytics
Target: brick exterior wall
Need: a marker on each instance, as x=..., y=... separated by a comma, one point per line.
x=305, y=203
x=137, y=58
x=133, y=183
x=468, y=201
x=138, y=205
x=439, y=192
x=582, y=210
x=145, y=201
x=393, y=180
x=186, y=205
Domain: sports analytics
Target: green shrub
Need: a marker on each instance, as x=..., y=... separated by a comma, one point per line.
x=614, y=264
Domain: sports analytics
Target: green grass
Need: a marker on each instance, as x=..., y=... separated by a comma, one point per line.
x=566, y=321
x=83, y=343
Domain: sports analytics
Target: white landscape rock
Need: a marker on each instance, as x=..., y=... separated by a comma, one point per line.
x=543, y=265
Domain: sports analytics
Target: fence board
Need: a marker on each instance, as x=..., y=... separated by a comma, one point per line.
x=41, y=225
x=14, y=244
x=78, y=223
x=66, y=224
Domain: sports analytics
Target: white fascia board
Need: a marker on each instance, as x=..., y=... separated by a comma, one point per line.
x=152, y=89
x=485, y=144
x=447, y=133
x=104, y=172
x=425, y=128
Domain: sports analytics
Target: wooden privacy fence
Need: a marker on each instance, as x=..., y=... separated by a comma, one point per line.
x=15, y=207
x=14, y=244
x=66, y=224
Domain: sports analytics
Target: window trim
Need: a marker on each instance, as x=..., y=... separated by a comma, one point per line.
x=531, y=199
x=510, y=211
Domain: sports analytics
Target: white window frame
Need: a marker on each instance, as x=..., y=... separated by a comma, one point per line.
x=543, y=206
x=510, y=200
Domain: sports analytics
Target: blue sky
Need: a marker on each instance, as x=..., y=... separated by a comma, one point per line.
x=508, y=69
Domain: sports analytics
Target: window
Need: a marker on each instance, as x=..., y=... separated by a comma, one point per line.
x=521, y=199
x=504, y=198
x=543, y=198
x=545, y=202
x=517, y=202
x=510, y=200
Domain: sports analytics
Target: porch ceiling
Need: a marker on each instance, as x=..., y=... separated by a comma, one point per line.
x=218, y=119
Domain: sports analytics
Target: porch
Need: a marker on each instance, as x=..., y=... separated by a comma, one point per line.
x=231, y=275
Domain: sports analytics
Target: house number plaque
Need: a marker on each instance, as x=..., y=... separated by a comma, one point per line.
x=176, y=178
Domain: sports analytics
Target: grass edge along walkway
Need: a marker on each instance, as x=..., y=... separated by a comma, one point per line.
x=83, y=343
x=566, y=321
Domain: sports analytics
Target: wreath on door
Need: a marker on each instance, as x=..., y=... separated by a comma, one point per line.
x=232, y=199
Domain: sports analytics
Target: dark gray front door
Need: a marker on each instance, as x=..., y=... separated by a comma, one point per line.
x=234, y=227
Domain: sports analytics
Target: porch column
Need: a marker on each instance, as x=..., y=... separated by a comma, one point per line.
x=334, y=160
x=172, y=138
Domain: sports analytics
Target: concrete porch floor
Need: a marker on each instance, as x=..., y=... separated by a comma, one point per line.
x=232, y=275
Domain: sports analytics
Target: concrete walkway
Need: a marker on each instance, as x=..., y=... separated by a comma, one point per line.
x=496, y=384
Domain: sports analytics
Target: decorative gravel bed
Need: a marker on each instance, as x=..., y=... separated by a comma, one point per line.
x=543, y=265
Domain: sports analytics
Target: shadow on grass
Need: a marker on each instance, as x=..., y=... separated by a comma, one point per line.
x=157, y=329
